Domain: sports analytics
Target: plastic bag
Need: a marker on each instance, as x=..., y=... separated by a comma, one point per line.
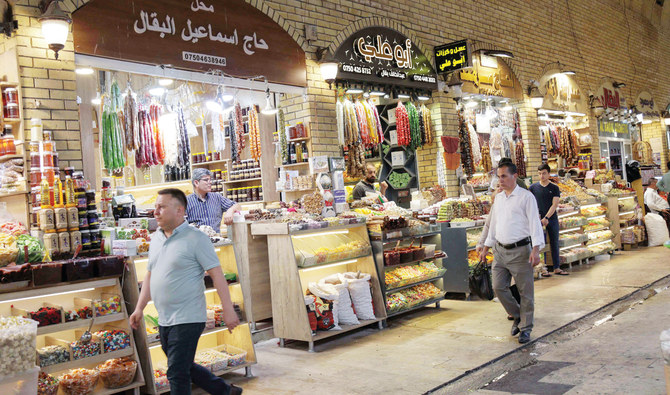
x=327, y=292
x=665, y=345
x=361, y=295
x=344, y=306
x=657, y=230
x=311, y=312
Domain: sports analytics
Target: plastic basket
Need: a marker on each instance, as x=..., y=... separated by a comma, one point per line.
x=237, y=356
x=119, y=375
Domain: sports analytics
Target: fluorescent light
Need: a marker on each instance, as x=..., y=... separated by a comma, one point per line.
x=354, y=91
x=628, y=212
x=157, y=91
x=97, y=99
x=569, y=72
x=330, y=265
x=570, y=230
x=377, y=93
x=568, y=214
x=591, y=205
x=342, y=231
x=49, y=295
x=626, y=197
x=165, y=81
x=84, y=71
x=572, y=246
x=403, y=96
x=600, y=242
x=423, y=98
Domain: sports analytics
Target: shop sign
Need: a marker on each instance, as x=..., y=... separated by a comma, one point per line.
x=380, y=55
x=202, y=35
x=453, y=56
x=561, y=93
x=611, y=97
x=645, y=104
x=481, y=80
x=618, y=130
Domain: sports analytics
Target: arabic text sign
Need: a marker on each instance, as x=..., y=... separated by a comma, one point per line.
x=191, y=35
x=452, y=56
x=491, y=82
x=613, y=129
x=380, y=55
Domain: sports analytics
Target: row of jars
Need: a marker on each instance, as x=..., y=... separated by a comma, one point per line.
x=218, y=174
x=237, y=175
x=245, y=165
x=245, y=194
x=201, y=157
x=67, y=242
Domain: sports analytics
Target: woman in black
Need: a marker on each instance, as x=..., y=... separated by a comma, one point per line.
x=548, y=196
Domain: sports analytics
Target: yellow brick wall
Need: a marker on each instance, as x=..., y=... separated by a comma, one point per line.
x=651, y=133
x=596, y=38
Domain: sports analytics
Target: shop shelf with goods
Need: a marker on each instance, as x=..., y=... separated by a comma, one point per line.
x=64, y=312
x=215, y=337
x=292, y=161
x=405, y=263
x=622, y=213
x=301, y=257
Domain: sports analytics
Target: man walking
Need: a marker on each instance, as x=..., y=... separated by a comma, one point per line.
x=179, y=256
x=548, y=195
x=515, y=226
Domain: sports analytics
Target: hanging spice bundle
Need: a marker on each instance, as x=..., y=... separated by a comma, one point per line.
x=427, y=125
x=374, y=114
x=234, y=147
x=363, y=124
x=402, y=124
x=466, y=149
x=520, y=159
x=486, y=159
x=254, y=134
x=239, y=127
x=414, y=126
x=282, y=136
x=131, y=126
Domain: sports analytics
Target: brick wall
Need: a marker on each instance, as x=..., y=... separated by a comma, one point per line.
x=597, y=38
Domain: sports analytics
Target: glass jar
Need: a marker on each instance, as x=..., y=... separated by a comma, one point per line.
x=291, y=132
x=11, y=96
x=47, y=219
x=85, y=240
x=35, y=160
x=217, y=155
x=64, y=245
x=48, y=159
x=10, y=148
x=243, y=194
x=92, y=216
x=12, y=111
x=49, y=174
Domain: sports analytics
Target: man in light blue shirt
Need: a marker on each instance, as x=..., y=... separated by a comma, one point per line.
x=179, y=256
x=206, y=207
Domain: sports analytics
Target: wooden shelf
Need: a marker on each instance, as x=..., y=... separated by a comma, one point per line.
x=293, y=165
x=205, y=332
x=90, y=360
x=333, y=262
x=4, y=195
x=417, y=261
x=298, y=190
x=44, y=330
x=345, y=328
x=422, y=304
x=57, y=289
x=8, y=157
x=216, y=373
x=413, y=284
x=212, y=162
x=245, y=180
x=294, y=140
x=11, y=120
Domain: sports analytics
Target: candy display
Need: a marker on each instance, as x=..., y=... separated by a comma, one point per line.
x=47, y=273
x=593, y=211
x=572, y=222
x=596, y=237
x=35, y=249
x=17, y=345
x=596, y=223
x=13, y=273
x=84, y=350
x=113, y=339
x=160, y=378
x=107, y=306
x=453, y=209
x=71, y=316
x=212, y=359
x=626, y=205
x=85, y=312
x=411, y=297
x=117, y=373
x=79, y=381
x=406, y=275
x=570, y=239
x=473, y=236
x=47, y=384
x=46, y=316
x=51, y=355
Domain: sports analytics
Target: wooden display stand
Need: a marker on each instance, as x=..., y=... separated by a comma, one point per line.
x=149, y=348
x=251, y=254
x=70, y=297
x=614, y=215
x=290, y=282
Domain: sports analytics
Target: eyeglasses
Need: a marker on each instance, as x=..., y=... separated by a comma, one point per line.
x=209, y=180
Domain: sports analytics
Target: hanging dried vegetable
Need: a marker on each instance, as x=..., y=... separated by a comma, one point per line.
x=282, y=136
x=486, y=159
x=130, y=122
x=339, y=115
x=351, y=131
x=474, y=144
x=254, y=134
x=155, y=112
x=466, y=149
x=239, y=128
x=427, y=124
x=402, y=124
x=363, y=124
x=113, y=146
x=414, y=126
x=520, y=159
x=234, y=147
x=375, y=115
x=184, y=159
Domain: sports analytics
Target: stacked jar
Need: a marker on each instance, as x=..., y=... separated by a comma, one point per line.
x=10, y=100
x=246, y=194
x=106, y=197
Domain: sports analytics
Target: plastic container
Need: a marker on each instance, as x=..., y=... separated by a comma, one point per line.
x=237, y=356
x=24, y=383
x=429, y=250
x=18, y=336
x=391, y=258
x=117, y=373
x=80, y=269
x=48, y=273
x=79, y=381
x=109, y=266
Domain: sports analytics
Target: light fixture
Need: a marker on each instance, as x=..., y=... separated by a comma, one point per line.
x=269, y=108
x=55, y=26
x=423, y=97
x=403, y=96
x=165, y=81
x=366, y=94
x=377, y=93
x=618, y=85
x=568, y=72
x=97, y=99
x=536, y=98
x=499, y=53
x=329, y=71
x=666, y=118
x=213, y=106
x=157, y=91
x=84, y=70
x=227, y=97
x=640, y=117
x=471, y=104
x=354, y=91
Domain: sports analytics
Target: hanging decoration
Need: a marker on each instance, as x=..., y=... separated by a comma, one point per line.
x=112, y=132
x=428, y=130
x=254, y=134
x=130, y=121
x=402, y=124
x=486, y=159
x=239, y=127
x=465, y=145
x=414, y=126
x=184, y=159
x=520, y=159
x=282, y=136
x=234, y=147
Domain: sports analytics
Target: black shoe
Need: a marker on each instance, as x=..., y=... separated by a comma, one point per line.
x=509, y=317
x=235, y=390
x=524, y=337
x=515, y=327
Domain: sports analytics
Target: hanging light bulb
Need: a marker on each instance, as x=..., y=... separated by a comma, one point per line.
x=84, y=71
x=165, y=81
x=213, y=106
x=269, y=108
x=97, y=99
x=55, y=26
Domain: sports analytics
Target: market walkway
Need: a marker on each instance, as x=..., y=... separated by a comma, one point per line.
x=422, y=350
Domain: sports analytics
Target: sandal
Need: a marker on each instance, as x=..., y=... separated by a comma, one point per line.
x=561, y=272
x=545, y=274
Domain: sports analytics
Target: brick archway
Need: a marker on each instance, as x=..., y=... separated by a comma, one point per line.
x=378, y=21
x=477, y=45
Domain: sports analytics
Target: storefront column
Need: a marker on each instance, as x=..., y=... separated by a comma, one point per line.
x=530, y=131
x=445, y=123
x=654, y=134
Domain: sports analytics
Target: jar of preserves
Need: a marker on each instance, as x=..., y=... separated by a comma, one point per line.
x=64, y=245
x=49, y=174
x=10, y=148
x=11, y=96
x=51, y=243
x=217, y=155
x=12, y=111
x=85, y=240
x=48, y=159
x=242, y=195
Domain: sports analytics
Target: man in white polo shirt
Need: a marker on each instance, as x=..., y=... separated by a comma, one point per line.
x=515, y=227
x=179, y=256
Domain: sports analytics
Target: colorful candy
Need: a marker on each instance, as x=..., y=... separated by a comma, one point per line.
x=113, y=340
x=46, y=316
x=79, y=381
x=51, y=355
x=107, y=306
x=71, y=316
x=47, y=384
x=84, y=350
x=85, y=312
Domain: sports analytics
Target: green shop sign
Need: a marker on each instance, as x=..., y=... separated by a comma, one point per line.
x=613, y=129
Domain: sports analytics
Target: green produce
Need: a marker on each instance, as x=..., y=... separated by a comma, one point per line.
x=35, y=249
x=399, y=180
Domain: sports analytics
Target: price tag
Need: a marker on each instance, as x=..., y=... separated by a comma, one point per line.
x=394, y=137
x=398, y=158
x=591, y=174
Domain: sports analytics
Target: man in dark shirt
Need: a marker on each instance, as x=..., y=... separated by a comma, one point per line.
x=367, y=184
x=547, y=195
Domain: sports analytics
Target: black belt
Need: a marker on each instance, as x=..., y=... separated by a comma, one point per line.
x=519, y=243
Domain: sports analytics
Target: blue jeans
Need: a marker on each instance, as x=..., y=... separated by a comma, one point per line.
x=179, y=343
x=552, y=234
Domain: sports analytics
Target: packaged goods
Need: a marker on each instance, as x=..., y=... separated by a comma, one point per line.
x=79, y=381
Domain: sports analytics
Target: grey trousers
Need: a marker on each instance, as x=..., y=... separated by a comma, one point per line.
x=508, y=264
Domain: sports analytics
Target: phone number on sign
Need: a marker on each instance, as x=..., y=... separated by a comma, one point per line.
x=201, y=58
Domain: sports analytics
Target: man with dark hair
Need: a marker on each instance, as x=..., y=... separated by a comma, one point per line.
x=179, y=256
x=206, y=207
x=367, y=184
x=515, y=225
x=664, y=183
x=548, y=195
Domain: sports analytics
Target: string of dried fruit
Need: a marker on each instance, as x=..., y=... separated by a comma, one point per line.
x=362, y=124
x=574, y=143
x=375, y=114
x=282, y=136
x=466, y=149
x=131, y=126
x=414, y=126
x=423, y=128
x=339, y=115
x=234, y=148
x=402, y=124
x=520, y=159
x=155, y=111
x=239, y=127
x=372, y=122
x=254, y=134
x=351, y=132
x=486, y=159
x=427, y=124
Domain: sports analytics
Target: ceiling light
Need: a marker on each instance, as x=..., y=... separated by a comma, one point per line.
x=165, y=81
x=157, y=91
x=377, y=93
x=471, y=104
x=269, y=108
x=423, y=97
x=97, y=99
x=569, y=72
x=55, y=26
x=366, y=95
x=84, y=70
x=213, y=106
x=227, y=97
x=499, y=53
x=354, y=91
x=403, y=96
x=329, y=71
x=508, y=107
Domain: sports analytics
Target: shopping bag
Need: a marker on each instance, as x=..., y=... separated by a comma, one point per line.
x=480, y=281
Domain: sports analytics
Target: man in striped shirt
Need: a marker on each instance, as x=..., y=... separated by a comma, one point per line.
x=206, y=207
